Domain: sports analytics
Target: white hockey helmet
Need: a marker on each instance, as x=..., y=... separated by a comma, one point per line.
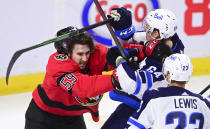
x=179, y=67
x=163, y=20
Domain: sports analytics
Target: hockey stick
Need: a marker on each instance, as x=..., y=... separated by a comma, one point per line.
x=122, y=52
x=18, y=53
x=204, y=90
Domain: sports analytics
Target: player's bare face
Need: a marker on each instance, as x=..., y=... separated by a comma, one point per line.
x=153, y=35
x=81, y=54
x=150, y=35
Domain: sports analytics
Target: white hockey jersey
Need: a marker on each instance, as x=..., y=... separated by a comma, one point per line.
x=171, y=108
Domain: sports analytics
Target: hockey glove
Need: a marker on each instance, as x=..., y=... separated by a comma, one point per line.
x=132, y=62
x=114, y=52
x=149, y=47
x=119, y=60
x=161, y=51
x=122, y=23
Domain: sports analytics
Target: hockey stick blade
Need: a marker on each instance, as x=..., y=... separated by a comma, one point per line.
x=117, y=42
x=204, y=90
x=18, y=53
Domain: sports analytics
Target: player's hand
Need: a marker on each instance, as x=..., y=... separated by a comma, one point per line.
x=161, y=51
x=157, y=50
x=114, y=52
x=132, y=62
x=149, y=47
x=122, y=22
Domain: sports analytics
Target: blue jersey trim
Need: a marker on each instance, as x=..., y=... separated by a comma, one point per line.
x=138, y=84
x=125, y=99
x=149, y=79
x=140, y=126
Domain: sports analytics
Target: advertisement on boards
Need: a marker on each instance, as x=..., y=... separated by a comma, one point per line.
x=25, y=23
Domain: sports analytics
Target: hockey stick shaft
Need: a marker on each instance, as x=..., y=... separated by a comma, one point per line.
x=18, y=53
x=204, y=90
x=117, y=42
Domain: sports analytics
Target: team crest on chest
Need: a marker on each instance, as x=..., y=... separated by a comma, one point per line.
x=91, y=101
x=61, y=57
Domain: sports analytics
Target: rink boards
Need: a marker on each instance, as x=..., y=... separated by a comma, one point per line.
x=27, y=82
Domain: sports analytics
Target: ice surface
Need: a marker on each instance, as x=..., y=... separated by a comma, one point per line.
x=13, y=107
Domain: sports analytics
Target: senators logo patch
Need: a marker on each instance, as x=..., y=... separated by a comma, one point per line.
x=61, y=57
x=91, y=101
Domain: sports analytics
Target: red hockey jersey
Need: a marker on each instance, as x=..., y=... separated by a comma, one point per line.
x=81, y=92
x=141, y=55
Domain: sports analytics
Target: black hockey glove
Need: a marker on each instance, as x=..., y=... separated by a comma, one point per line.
x=122, y=23
x=114, y=52
x=161, y=51
x=133, y=63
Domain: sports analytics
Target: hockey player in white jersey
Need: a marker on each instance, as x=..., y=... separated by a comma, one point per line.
x=159, y=24
x=172, y=107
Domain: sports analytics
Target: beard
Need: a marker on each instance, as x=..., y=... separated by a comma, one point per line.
x=82, y=62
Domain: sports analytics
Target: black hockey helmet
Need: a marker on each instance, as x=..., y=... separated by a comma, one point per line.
x=62, y=46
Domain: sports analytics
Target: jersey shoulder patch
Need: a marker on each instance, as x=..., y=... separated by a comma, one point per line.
x=67, y=81
x=61, y=57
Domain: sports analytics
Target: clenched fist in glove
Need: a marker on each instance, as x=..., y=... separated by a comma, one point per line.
x=114, y=52
x=157, y=50
x=122, y=23
x=161, y=52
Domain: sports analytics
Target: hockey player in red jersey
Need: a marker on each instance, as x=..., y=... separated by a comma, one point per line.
x=73, y=84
